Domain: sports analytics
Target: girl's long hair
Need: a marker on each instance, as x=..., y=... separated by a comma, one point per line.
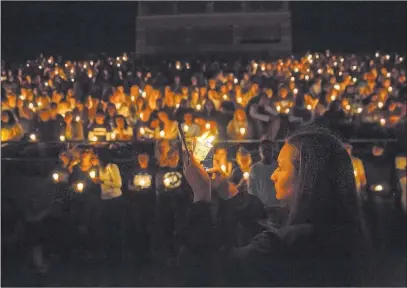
x=324, y=190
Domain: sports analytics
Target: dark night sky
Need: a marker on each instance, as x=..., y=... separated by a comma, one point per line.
x=76, y=29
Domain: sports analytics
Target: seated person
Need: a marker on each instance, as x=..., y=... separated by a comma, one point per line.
x=122, y=131
x=238, y=128
x=99, y=130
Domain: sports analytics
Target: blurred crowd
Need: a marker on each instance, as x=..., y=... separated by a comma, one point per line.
x=112, y=99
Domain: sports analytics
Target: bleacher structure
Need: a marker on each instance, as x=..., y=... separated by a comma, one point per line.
x=185, y=27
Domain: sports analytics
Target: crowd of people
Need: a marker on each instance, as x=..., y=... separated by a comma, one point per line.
x=103, y=207
x=109, y=99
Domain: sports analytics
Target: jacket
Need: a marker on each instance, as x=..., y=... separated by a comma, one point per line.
x=296, y=255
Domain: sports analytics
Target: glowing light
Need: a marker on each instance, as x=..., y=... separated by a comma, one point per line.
x=223, y=167
x=390, y=89
x=306, y=77
x=177, y=106
x=113, y=136
x=354, y=67
x=167, y=182
x=342, y=60
x=132, y=98
x=79, y=187
x=347, y=107
x=225, y=97
x=382, y=121
x=354, y=79
x=55, y=176
x=337, y=86
x=278, y=108
x=295, y=90
x=333, y=97
x=92, y=174
x=77, y=118
x=388, y=75
x=378, y=188
x=340, y=73
x=33, y=137
x=360, y=110
x=142, y=131
x=335, y=63
x=377, y=54
x=239, y=99
x=292, y=79
x=287, y=110
x=40, y=67
x=309, y=107
x=186, y=128
x=319, y=71
x=246, y=175
x=295, y=69
x=355, y=173
x=387, y=57
x=31, y=106
x=208, y=125
x=144, y=94
x=198, y=107
x=242, y=130
x=162, y=133
x=94, y=138
x=380, y=104
x=62, y=138
x=235, y=80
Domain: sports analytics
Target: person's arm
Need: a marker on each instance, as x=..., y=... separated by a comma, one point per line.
x=116, y=181
x=271, y=110
x=253, y=113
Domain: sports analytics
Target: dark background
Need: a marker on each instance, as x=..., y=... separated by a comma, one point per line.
x=77, y=29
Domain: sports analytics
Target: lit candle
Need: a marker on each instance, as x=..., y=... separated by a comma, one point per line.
x=186, y=128
x=354, y=67
x=292, y=78
x=337, y=86
x=33, y=137
x=401, y=59
x=225, y=97
x=342, y=60
x=246, y=175
x=319, y=71
x=360, y=110
x=167, y=182
x=62, y=138
x=355, y=172
x=333, y=97
x=31, y=106
x=177, y=106
x=306, y=77
x=239, y=99
x=198, y=107
x=295, y=69
x=77, y=118
x=91, y=63
x=295, y=90
x=278, y=108
x=378, y=188
x=354, y=79
x=162, y=133
x=309, y=107
x=223, y=167
x=387, y=57
x=377, y=54
x=235, y=80
x=92, y=174
x=335, y=63
x=79, y=187
x=208, y=125
x=113, y=136
x=340, y=73
x=40, y=67
x=242, y=130
x=388, y=75
x=382, y=121
x=390, y=89
x=132, y=98
x=94, y=138
x=55, y=176
x=347, y=107
x=287, y=110
x=142, y=131
x=144, y=94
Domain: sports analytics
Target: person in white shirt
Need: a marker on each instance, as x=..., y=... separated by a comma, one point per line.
x=112, y=207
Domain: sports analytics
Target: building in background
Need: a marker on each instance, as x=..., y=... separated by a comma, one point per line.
x=192, y=28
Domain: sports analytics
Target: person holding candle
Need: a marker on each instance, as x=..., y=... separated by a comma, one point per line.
x=315, y=223
x=71, y=130
x=85, y=203
x=140, y=209
x=238, y=128
x=170, y=128
x=359, y=171
x=189, y=127
x=110, y=182
x=99, y=130
x=122, y=131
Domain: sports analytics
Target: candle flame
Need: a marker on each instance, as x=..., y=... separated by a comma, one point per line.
x=55, y=176
x=92, y=174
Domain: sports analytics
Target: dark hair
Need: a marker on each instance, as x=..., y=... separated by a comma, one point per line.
x=104, y=156
x=267, y=150
x=325, y=189
x=325, y=192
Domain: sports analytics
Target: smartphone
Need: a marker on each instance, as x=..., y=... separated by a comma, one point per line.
x=181, y=135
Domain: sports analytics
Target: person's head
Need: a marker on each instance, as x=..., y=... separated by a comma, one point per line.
x=163, y=116
x=266, y=151
x=111, y=109
x=120, y=122
x=104, y=157
x=173, y=158
x=263, y=101
x=188, y=118
x=283, y=93
x=68, y=117
x=377, y=150
x=54, y=109
x=143, y=159
x=163, y=147
x=209, y=106
x=12, y=100
x=240, y=115
x=5, y=117
x=243, y=158
x=315, y=177
x=100, y=117
x=86, y=156
x=45, y=115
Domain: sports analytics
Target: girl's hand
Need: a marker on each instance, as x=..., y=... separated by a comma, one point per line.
x=197, y=178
